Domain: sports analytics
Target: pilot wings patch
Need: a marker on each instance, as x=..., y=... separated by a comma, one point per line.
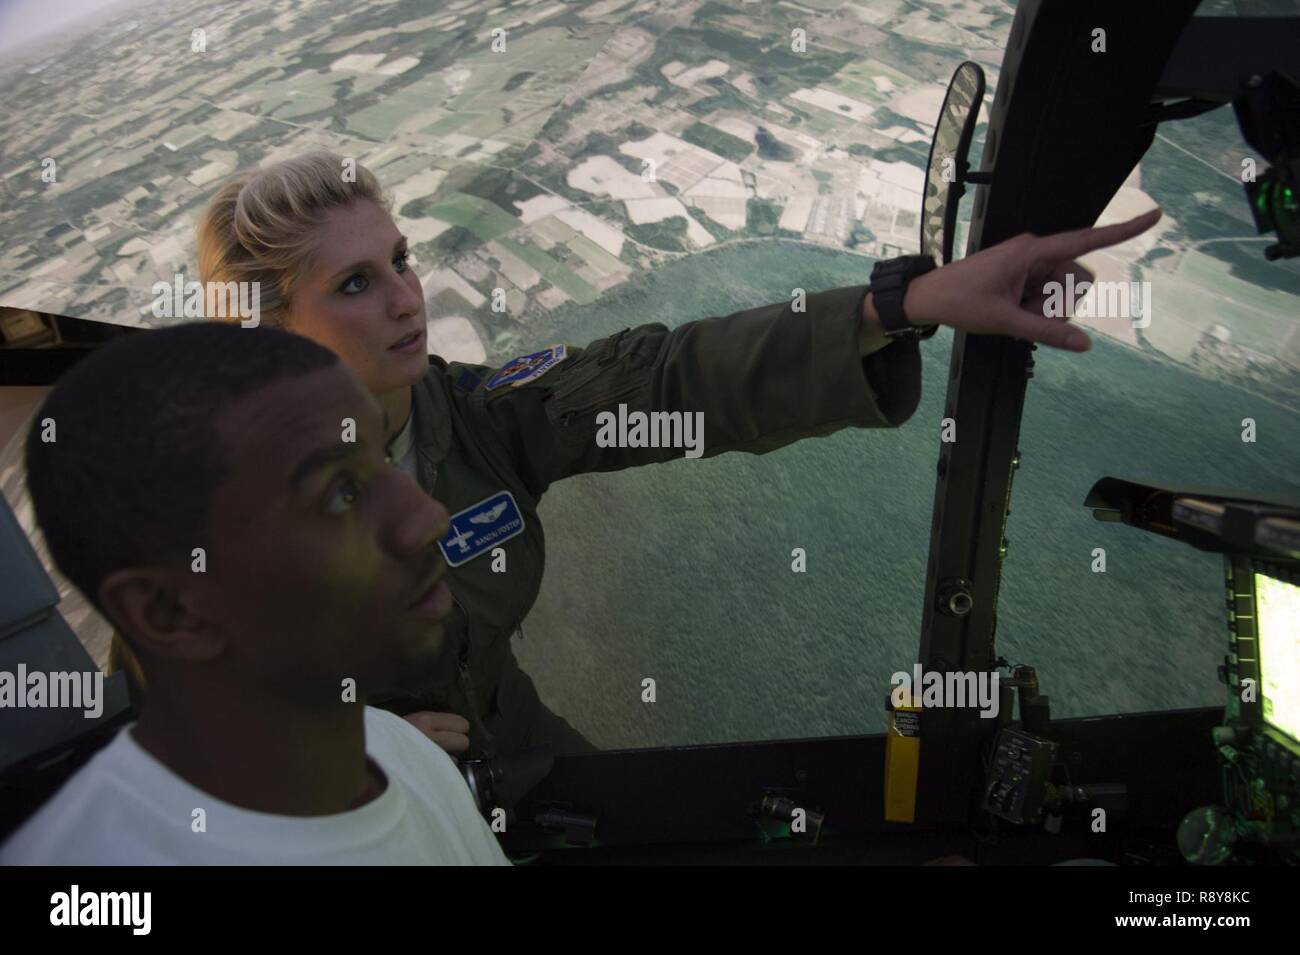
x=487, y=517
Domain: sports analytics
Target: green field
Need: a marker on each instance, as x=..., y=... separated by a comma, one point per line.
x=855, y=81
x=485, y=219
x=594, y=254
x=557, y=273
x=716, y=141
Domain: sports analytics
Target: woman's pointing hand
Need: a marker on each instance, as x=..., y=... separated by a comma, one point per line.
x=1000, y=290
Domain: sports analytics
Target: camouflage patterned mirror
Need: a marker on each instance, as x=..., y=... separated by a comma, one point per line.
x=946, y=169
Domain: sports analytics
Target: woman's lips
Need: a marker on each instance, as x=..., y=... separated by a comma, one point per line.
x=435, y=603
x=415, y=344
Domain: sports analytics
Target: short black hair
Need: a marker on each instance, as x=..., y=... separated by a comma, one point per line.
x=129, y=477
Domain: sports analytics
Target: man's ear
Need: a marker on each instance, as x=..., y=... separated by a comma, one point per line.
x=164, y=612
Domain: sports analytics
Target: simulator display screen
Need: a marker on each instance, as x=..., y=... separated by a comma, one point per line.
x=1277, y=604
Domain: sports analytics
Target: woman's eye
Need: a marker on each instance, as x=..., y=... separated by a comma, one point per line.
x=348, y=288
x=401, y=262
x=343, y=497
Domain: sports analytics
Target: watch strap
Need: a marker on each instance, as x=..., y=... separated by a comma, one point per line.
x=889, y=281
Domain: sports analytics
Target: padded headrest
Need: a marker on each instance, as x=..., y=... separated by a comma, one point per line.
x=27, y=595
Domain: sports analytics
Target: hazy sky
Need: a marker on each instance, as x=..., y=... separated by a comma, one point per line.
x=22, y=21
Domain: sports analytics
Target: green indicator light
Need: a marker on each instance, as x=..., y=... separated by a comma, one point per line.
x=1261, y=199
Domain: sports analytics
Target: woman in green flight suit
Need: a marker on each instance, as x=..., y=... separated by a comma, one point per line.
x=315, y=233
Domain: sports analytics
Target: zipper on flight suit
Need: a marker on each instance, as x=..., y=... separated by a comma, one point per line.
x=467, y=681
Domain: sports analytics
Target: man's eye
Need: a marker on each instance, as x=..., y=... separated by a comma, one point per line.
x=343, y=497
x=348, y=288
x=402, y=262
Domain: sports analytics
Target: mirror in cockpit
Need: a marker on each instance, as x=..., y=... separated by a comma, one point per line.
x=946, y=169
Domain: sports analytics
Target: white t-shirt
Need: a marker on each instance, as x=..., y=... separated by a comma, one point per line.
x=124, y=807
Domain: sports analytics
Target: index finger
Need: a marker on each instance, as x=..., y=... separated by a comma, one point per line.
x=1077, y=242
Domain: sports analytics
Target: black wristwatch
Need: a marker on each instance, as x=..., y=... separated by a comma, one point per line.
x=888, y=286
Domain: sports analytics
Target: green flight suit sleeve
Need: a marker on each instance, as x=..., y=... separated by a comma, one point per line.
x=763, y=378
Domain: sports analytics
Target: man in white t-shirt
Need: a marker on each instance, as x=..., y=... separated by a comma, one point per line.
x=221, y=494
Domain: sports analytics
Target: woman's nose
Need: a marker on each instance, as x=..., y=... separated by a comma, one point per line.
x=403, y=299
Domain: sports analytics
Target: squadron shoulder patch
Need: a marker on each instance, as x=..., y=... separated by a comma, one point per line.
x=527, y=368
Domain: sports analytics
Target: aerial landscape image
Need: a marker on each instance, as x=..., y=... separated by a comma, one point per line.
x=566, y=170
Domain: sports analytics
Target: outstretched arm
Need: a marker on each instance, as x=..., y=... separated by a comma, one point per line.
x=760, y=378
x=765, y=377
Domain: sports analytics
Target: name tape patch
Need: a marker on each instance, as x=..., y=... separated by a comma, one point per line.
x=526, y=368
x=480, y=527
